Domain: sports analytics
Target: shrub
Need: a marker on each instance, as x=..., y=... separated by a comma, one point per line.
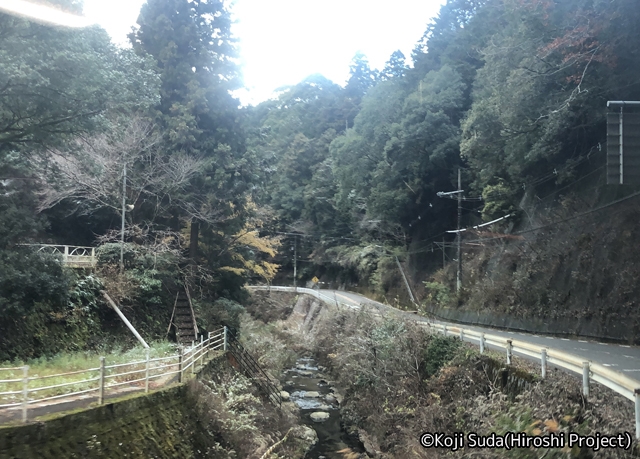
x=440, y=351
x=438, y=293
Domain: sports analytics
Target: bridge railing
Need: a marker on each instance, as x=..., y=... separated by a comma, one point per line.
x=72, y=255
x=20, y=389
x=614, y=380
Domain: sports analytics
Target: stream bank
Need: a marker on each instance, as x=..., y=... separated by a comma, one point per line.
x=400, y=381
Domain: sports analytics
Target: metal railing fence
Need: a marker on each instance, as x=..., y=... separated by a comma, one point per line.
x=253, y=370
x=590, y=371
x=72, y=255
x=21, y=390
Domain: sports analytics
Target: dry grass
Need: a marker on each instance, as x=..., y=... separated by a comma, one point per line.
x=53, y=371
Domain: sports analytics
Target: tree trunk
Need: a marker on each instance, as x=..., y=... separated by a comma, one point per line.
x=193, y=240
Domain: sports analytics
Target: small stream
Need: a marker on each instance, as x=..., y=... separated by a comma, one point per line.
x=309, y=390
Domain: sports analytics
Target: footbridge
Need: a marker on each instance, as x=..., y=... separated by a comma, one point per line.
x=73, y=256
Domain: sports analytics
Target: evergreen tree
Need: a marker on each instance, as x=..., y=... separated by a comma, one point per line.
x=195, y=52
x=56, y=84
x=361, y=77
x=396, y=66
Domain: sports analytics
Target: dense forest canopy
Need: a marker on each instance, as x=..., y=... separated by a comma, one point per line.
x=513, y=92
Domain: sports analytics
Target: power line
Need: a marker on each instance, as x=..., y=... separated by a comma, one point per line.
x=573, y=183
x=597, y=209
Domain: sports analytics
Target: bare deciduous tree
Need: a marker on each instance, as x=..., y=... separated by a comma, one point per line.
x=91, y=176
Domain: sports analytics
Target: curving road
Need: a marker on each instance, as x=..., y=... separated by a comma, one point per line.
x=617, y=357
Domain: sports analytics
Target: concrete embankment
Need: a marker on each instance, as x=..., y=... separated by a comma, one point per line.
x=162, y=424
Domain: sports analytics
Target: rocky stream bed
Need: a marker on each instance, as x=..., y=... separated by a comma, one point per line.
x=319, y=404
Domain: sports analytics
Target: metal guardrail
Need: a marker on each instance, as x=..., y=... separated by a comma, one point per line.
x=22, y=391
x=614, y=380
x=308, y=291
x=252, y=369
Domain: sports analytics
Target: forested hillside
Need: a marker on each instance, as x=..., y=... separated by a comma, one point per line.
x=513, y=93
x=89, y=130
x=343, y=179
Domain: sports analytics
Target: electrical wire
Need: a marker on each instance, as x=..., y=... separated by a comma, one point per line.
x=564, y=220
x=573, y=183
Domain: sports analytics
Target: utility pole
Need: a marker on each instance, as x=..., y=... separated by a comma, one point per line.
x=449, y=194
x=295, y=261
x=444, y=261
x=459, y=276
x=124, y=208
x=406, y=282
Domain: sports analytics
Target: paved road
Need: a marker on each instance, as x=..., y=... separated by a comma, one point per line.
x=625, y=359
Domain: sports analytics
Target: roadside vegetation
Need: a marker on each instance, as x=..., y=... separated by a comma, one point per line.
x=240, y=423
x=397, y=381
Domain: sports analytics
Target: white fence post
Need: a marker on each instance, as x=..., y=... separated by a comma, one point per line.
x=146, y=374
x=543, y=362
x=180, y=365
x=509, y=351
x=444, y=330
x=461, y=334
x=225, y=338
x=201, y=351
x=101, y=382
x=585, y=379
x=481, y=343
x=193, y=360
x=637, y=396
x=25, y=392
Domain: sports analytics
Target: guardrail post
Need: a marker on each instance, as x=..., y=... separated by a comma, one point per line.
x=146, y=374
x=180, y=365
x=509, y=351
x=461, y=334
x=444, y=330
x=481, y=343
x=101, y=382
x=543, y=362
x=637, y=395
x=25, y=392
x=225, y=338
x=66, y=253
x=585, y=379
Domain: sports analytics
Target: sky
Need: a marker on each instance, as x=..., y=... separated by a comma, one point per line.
x=283, y=41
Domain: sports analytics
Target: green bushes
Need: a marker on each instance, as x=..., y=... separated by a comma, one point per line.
x=35, y=312
x=439, y=294
x=440, y=351
x=221, y=312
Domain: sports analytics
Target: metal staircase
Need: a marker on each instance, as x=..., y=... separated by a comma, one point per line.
x=183, y=318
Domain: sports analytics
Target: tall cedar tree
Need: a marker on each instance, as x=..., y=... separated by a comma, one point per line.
x=192, y=44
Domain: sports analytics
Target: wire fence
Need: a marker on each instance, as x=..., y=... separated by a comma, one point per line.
x=21, y=390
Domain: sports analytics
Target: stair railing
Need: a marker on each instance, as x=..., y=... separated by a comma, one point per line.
x=173, y=314
x=193, y=314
